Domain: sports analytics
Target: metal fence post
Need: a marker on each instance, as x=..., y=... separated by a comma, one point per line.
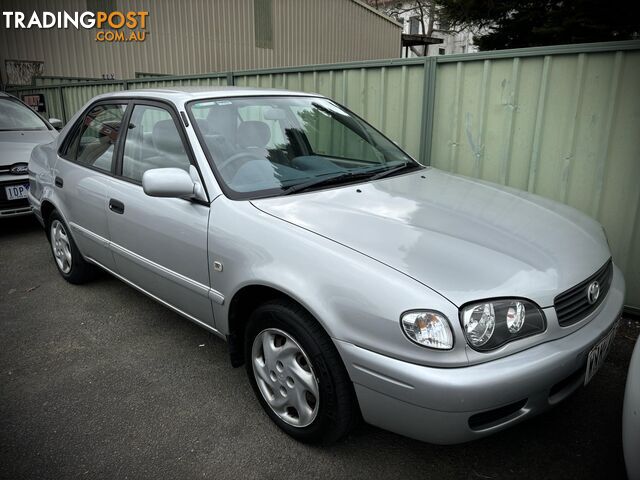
x=428, y=101
x=63, y=109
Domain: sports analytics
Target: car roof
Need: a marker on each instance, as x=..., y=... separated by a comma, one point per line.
x=185, y=94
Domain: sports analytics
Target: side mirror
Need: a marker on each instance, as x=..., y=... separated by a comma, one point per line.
x=172, y=182
x=56, y=123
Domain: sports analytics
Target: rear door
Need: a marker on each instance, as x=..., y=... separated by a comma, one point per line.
x=159, y=244
x=85, y=167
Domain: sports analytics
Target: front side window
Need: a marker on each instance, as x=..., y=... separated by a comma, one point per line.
x=95, y=140
x=15, y=116
x=152, y=141
x=265, y=146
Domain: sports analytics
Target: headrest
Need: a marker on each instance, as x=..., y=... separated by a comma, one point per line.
x=165, y=137
x=222, y=119
x=253, y=133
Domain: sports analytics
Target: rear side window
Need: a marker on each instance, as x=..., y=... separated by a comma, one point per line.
x=152, y=141
x=94, y=141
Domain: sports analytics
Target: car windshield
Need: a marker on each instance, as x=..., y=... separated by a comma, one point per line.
x=15, y=116
x=265, y=146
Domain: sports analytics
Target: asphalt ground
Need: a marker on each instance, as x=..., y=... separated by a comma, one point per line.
x=98, y=381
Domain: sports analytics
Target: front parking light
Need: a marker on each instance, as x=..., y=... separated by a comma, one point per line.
x=428, y=329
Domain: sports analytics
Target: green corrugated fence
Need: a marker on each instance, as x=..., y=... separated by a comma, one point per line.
x=560, y=121
x=56, y=80
x=563, y=125
x=150, y=75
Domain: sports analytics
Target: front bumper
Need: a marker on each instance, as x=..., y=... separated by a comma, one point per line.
x=455, y=405
x=13, y=208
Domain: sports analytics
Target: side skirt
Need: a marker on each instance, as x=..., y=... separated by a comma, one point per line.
x=159, y=300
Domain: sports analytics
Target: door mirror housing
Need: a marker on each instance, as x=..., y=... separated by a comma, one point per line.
x=56, y=123
x=173, y=182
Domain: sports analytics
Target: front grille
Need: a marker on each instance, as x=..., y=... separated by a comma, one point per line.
x=573, y=305
x=7, y=168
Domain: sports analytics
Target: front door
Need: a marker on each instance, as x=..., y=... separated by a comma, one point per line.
x=159, y=244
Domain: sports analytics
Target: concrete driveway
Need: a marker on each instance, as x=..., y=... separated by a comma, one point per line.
x=99, y=381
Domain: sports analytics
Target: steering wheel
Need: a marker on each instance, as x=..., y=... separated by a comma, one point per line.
x=246, y=156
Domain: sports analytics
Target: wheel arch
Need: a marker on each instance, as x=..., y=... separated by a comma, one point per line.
x=46, y=209
x=243, y=302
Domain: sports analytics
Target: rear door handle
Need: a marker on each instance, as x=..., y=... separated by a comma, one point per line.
x=59, y=182
x=116, y=206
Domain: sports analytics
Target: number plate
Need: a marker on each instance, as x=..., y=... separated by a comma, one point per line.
x=16, y=192
x=598, y=354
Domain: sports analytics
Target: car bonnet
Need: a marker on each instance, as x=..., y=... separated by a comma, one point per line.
x=464, y=238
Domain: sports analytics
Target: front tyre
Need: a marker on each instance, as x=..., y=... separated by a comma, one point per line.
x=297, y=374
x=71, y=265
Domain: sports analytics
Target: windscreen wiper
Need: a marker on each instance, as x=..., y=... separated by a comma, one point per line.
x=332, y=180
x=394, y=170
x=369, y=174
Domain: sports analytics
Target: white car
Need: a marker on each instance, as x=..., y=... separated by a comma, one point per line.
x=21, y=129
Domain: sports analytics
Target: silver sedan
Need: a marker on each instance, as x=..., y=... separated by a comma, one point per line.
x=348, y=279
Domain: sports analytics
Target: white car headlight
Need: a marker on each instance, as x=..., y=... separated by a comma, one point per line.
x=479, y=324
x=492, y=323
x=428, y=329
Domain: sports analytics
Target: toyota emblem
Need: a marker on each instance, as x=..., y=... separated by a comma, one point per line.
x=593, y=292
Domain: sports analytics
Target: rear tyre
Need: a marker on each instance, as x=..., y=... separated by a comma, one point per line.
x=297, y=374
x=69, y=261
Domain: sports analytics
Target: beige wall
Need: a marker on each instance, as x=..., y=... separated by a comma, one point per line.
x=200, y=36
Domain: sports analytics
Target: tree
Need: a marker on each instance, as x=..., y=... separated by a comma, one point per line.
x=424, y=10
x=526, y=23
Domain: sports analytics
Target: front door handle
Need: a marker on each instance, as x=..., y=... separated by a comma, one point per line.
x=58, y=182
x=116, y=206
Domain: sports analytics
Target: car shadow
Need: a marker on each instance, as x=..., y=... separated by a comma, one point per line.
x=15, y=226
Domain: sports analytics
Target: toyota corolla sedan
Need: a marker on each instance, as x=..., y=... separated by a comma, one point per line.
x=348, y=279
x=21, y=129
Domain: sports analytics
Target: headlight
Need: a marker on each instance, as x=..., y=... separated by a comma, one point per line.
x=429, y=329
x=493, y=323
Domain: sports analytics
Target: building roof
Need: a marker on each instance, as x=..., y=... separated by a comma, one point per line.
x=378, y=12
